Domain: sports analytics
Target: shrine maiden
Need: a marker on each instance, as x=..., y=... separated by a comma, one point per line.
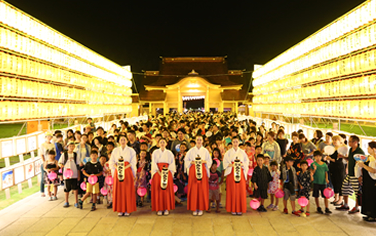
x=235, y=163
x=162, y=186
x=198, y=188
x=123, y=167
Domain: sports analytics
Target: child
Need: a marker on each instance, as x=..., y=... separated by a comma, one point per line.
x=274, y=185
x=59, y=147
x=250, y=151
x=229, y=145
x=266, y=160
x=214, y=186
x=91, y=168
x=143, y=170
x=260, y=179
x=289, y=182
x=180, y=178
x=304, y=184
x=107, y=172
x=51, y=165
x=258, y=150
x=217, y=155
x=69, y=160
x=319, y=176
x=102, y=160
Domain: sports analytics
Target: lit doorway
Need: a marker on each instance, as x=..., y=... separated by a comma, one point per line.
x=193, y=103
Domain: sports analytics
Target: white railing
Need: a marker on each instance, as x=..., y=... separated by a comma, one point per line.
x=24, y=170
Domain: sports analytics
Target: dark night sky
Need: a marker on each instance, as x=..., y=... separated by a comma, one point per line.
x=137, y=32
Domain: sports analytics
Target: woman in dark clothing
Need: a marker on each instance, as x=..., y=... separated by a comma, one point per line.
x=317, y=138
x=369, y=184
x=295, y=151
x=282, y=142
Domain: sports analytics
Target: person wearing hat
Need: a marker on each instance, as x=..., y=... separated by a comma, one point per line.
x=289, y=183
x=43, y=152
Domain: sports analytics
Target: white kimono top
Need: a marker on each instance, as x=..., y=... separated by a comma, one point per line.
x=128, y=154
x=191, y=156
x=230, y=156
x=165, y=156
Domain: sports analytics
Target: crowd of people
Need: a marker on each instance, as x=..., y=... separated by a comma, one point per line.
x=194, y=157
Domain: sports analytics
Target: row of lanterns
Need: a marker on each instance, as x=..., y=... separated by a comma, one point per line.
x=31, y=110
x=18, y=20
x=358, y=40
x=21, y=44
x=349, y=22
x=26, y=67
x=355, y=62
x=364, y=109
x=365, y=85
x=358, y=63
x=29, y=89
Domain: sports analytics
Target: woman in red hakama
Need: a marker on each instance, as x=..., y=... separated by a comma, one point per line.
x=162, y=200
x=124, y=198
x=124, y=192
x=198, y=190
x=236, y=193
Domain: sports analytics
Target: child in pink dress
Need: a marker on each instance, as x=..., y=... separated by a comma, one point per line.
x=107, y=172
x=274, y=185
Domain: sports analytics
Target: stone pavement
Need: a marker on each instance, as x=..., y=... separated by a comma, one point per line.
x=38, y=216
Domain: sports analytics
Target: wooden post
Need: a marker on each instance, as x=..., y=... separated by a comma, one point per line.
x=30, y=183
x=7, y=193
x=19, y=187
x=7, y=162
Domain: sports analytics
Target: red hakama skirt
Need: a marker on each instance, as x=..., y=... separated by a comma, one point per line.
x=236, y=194
x=198, y=190
x=162, y=200
x=124, y=193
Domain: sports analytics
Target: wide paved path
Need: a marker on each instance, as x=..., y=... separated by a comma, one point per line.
x=37, y=216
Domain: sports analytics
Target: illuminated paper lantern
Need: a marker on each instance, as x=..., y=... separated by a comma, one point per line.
x=303, y=201
x=279, y=193
x=328, y=192
x=141, y=191
x=104, y=191
x=83, y=186
x=254, y=204
x=109, y=180
x=52, y=176
x=68, y=173
x=92, y=179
